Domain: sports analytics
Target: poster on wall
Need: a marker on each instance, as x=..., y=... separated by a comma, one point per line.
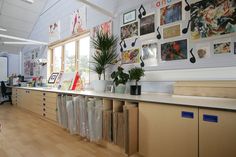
x=150, y=54
x=129, y=31
x=222, y=48
x=147, y=24
x=106, y=27
x=171, y=13
x=54, y=31
x=203, y=50
x=176, y=50
x=78, y=21
x=213, y=18
x=130, y=56
x=171, y=32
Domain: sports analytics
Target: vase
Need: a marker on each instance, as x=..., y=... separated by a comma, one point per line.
x=120, y=89
x=135, y=90
x=99, y=85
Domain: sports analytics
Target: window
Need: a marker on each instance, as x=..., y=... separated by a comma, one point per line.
x=71, y=55
x=69, y=63
x=83, y=61
x=57, y=59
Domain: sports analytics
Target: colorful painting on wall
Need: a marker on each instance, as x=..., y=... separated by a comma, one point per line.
x=129, y=31
x=54, y=32
x=150, y=53
x=78, y=21
x=147, y=24
x=130, y=56
x=203, y=50
x=213, y=18
x=106, y=27
x=222, y=48
x=176, y=50
x=171, y=13
x=172, y=31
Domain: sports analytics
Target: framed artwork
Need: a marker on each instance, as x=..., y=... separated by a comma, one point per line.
x=130, y=56
x=78, y=21
x=106, y=27
x=129, y=17
x=150, y=54
x=212, y=18
x=147, y=24
x=171, y=13
x=203, y=50
x=54, y=31
x=176, y=50
x=171, y=32
x=222, y=48
x=52, y=79
x=129, y=31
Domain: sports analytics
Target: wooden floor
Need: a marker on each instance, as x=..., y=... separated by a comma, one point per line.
x=24, y=135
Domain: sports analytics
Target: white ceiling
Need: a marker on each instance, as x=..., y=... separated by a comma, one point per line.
x=19, y=18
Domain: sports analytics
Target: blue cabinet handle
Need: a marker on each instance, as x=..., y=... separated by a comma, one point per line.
x=186, y=114
x=210, y=118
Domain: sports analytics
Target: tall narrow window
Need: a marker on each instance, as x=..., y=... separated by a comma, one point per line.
x=57, y=58
x=69, y=62
x=83, y=60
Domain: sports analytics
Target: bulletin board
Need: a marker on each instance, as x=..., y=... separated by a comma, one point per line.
x=179, y=34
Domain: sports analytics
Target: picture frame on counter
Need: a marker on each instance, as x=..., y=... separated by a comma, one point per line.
x=52, y=79
x=129, y=17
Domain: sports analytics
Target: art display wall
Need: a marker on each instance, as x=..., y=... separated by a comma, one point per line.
x=185, y=34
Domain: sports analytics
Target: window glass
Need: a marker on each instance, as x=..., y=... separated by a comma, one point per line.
x=57, y=58
x=83, y=60
x=69, y=62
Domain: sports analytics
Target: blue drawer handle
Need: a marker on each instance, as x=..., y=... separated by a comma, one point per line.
x=186, y=114
x=210, y=118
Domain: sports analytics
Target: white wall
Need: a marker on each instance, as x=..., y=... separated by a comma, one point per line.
x=13, y=63
x=156, y=79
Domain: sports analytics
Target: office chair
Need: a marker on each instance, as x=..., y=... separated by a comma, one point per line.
x=5, y=93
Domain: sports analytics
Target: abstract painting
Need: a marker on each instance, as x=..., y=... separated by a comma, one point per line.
x=222, y=48
x=54, y=31
x=171, y=13
x=176, y=50
x=129, y=31
x=147, y=25
x=149, y=54
x=78, y=21
x=213, y=18
x=106, y=27
x=172, y=31
x=130, y=56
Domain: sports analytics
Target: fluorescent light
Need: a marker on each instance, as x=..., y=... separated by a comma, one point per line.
x=29, y=1
x=19, y=43
x=3, y=29
x=22, y=39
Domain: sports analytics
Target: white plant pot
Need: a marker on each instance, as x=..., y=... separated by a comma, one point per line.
x=99, y=85
x=120, y=89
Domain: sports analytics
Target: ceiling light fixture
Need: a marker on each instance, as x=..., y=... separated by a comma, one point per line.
x=29, y=1
x=3, y=29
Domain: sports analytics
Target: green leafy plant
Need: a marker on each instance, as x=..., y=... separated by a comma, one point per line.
x=136, y=74
x=105, y=46
x=120, y=77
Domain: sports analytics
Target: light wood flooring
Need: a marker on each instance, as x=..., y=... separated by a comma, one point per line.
x=25, y=135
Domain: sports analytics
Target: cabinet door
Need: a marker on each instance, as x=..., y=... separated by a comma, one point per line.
x=167, y=130
x=217, y=133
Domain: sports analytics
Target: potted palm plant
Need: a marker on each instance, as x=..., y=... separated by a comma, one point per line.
x=135, y=74
x=105, y=54
x=120, y=79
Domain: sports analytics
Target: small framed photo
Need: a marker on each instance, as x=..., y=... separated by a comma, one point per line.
x=129, y=17
x=52, y=79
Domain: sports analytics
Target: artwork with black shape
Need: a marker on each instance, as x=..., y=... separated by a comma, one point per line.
x=187, y=7
x=122, y=46
x=193, y=58
x=158, y=33
x=185, y=30
x=142, y=12
x=142, y=62
x=134, y=42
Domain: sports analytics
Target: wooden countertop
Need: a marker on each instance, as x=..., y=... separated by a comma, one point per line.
x=193, y=101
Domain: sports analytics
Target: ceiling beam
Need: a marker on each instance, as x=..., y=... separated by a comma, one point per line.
x=22, y=39
x=98, y=8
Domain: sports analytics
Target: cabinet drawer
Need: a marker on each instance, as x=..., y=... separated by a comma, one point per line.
x=50, y=116
x=49, y=110
x=49, y=94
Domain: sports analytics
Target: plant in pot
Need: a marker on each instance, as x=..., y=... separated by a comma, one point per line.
x=120, y=79
x=105, y=54
x=135, y=74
